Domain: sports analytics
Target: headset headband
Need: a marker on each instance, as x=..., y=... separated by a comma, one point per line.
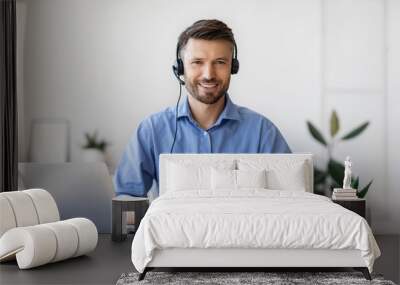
x=234, y=56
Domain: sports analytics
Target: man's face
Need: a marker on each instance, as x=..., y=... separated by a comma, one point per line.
x=207, y=67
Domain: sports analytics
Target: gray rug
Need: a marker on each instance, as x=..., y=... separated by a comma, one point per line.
x=230, y=278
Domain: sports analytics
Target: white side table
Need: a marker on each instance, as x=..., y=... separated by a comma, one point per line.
x=120, y=205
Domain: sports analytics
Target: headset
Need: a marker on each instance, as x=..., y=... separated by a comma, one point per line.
x=178, y=70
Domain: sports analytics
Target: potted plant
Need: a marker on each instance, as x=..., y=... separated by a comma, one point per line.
x=94, y=148
x=331, y=176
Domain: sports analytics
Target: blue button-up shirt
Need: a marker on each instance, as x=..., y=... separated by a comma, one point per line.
x=237, y=130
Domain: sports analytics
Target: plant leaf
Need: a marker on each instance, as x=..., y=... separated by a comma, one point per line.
x=364, y=191
x=333, y=186
x=355, y=182
x=336, y=171
x=335, y=125
x=92, y=141
x=315, y=133
x=356, y=131
x=319, y=176
x=319, y=190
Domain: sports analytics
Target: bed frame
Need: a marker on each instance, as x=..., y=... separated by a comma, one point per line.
x=242, y=259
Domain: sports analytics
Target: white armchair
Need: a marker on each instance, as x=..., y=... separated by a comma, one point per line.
x=31, y=230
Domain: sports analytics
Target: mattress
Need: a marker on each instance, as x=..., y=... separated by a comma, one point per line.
x=250, y=219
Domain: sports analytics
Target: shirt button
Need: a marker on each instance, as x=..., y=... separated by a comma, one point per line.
x=205, y=133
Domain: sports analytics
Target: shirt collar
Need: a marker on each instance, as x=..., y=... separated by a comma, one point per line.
x=230, y=111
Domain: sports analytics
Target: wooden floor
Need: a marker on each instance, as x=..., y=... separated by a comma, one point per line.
x=110, y=260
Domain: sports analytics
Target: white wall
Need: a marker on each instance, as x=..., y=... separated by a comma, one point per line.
x=107, y=64
x=393, y=113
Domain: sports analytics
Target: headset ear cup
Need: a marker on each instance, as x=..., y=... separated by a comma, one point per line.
x=179, y=64
x=175, y=70
x=235, y=66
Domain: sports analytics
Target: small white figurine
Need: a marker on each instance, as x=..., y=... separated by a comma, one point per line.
x=347, y=174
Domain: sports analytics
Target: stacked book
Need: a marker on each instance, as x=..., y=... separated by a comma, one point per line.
x=344, y=194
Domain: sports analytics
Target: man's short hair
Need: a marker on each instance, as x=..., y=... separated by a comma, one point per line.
x=206, y=30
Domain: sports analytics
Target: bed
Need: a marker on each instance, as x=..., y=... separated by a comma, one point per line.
x=247, y=210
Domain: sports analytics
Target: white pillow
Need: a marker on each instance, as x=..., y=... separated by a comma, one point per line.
x=185, y=175
x=237, y=179
x=223, y=179
x=251, y=178
x=292, y=178
x=281, y=174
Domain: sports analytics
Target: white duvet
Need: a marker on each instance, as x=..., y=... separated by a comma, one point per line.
x=251, y=218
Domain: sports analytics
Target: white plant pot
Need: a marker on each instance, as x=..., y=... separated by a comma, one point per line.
x=93, y=155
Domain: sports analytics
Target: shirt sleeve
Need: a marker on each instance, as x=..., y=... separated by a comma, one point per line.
x=271, y=139
x=135, y=173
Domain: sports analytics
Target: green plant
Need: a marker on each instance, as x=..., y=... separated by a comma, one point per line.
x=333, y=174
x=93, y=142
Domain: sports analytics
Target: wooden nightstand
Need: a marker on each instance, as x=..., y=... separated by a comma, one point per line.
x=120, y=205
x=357, y=206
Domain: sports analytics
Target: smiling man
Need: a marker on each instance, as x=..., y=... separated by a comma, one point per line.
x=207, y=121
x=207, y=65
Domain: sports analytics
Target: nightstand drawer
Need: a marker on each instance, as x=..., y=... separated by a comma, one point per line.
x=357, y=206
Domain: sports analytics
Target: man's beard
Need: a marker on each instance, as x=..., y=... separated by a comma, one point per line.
x=208, y=97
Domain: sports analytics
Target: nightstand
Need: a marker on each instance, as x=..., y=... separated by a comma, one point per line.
x=357, y=206
x=120, y=205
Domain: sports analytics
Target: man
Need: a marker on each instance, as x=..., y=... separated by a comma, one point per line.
x=206, y=122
